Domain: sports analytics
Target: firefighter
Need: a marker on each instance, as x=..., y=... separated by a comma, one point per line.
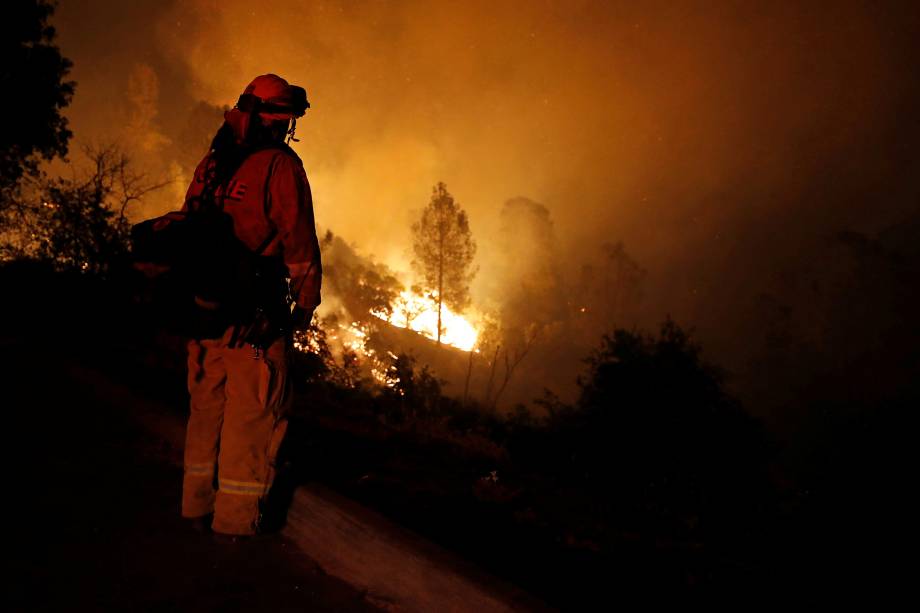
x=238, y=377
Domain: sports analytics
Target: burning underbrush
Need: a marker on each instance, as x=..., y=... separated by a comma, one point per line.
x=419, y=313
x=369, y=351
x=370, y=323
x=372, y=317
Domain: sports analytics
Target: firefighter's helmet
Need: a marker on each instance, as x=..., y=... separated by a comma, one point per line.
x=273, y=98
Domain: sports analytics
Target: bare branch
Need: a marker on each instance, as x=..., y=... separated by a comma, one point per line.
x=512, y=361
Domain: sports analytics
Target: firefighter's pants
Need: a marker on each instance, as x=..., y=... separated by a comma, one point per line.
x=238, y=402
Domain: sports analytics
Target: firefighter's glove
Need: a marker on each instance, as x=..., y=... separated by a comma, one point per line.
x=301, y=318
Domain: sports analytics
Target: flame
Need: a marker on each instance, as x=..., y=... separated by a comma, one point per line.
x=420, y=314
x=355, y=338
x=344, y=345
x=341, y=341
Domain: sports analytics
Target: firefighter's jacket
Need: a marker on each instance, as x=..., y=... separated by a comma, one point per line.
x=269, y=196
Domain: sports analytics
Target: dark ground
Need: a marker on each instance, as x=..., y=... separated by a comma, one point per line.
x=94, y=497
x=94, y=512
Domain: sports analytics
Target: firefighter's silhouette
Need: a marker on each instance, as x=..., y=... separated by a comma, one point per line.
x=238, y=375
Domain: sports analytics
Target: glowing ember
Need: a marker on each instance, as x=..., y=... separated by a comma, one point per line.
x=420, y=314
x=355, y=338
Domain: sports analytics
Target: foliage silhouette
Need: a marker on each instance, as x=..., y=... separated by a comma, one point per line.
x=79, y=223
x=653, y=445
x=32, y=79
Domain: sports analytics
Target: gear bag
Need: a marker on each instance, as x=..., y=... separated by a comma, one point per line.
x=201, y=278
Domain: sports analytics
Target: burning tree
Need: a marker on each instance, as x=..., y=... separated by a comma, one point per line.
x=408, y=307
x=444, y=251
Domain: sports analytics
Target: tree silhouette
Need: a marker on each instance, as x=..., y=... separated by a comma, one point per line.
x=528, y=262
x=32, y=79
x=80, y=223
x=444, y=251
x=653, y=422
x=622, y=280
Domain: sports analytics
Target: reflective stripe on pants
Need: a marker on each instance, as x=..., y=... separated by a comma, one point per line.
x=236, y=423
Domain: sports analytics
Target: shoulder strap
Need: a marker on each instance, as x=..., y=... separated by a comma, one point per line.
x=268, y=240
